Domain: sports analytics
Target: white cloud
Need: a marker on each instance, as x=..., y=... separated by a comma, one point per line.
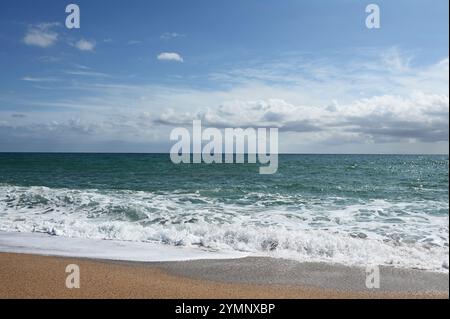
x=86, y=72
x=418, y=117
x=171, y=35
x=34, y=79
x=49, y=59
x=396, y=61
x=170, y=56
x=318, y=105
x=85, y=45
x=81, y=66
x=41, y=35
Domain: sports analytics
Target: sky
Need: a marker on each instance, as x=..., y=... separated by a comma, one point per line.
x=135, y=70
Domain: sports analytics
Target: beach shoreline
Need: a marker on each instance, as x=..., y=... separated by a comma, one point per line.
x=39, y=276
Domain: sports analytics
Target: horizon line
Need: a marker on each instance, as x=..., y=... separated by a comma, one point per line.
x=168, y=153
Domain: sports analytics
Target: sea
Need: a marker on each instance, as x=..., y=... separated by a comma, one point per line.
x=356, y=210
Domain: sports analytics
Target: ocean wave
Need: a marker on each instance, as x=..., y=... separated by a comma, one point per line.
x=326, y=229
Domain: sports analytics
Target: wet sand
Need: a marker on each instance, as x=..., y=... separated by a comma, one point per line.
x=34, y=276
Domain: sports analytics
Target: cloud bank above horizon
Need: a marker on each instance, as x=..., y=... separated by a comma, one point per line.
x=123, y=92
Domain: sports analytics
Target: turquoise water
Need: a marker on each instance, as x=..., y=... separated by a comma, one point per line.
x=352, y=209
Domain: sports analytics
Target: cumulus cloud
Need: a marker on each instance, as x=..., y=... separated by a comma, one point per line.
x=77, y=132
x=46, y=129
x=262, y=113
x=41, y=35
x=170, y=56
x=381, y=120
x=85, y=45
x=418, y=117
x=373, y=106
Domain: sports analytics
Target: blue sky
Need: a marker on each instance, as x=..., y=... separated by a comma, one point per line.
x=136, y=69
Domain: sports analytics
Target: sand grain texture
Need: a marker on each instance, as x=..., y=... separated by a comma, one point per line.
x=31, y=276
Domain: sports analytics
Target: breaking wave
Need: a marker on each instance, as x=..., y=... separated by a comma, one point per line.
x=357, y=233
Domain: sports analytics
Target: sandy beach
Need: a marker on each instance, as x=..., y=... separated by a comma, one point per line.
x=34, y=276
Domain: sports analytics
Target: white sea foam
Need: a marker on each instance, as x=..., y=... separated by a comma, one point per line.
x=355, y=234
x=35, y=243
